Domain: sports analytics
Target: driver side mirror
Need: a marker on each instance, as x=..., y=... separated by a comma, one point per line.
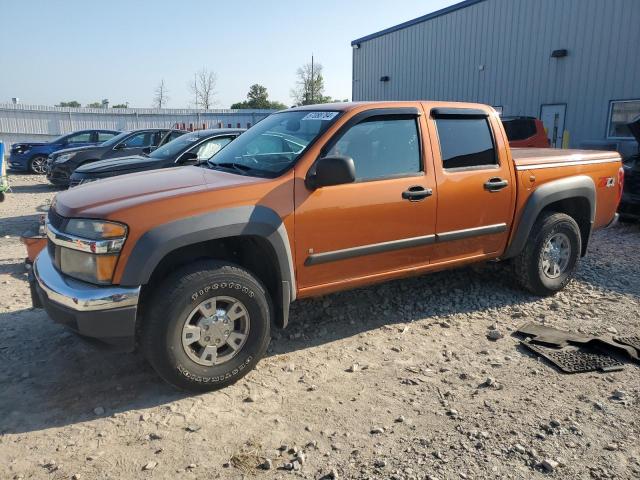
x=329, y=171
x=189, y=158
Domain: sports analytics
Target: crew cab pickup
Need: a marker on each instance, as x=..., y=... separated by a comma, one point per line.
x=195, y=266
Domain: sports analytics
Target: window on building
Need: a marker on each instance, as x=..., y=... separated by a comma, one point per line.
x=381, y=147
x=466, y=142
x=622, y=112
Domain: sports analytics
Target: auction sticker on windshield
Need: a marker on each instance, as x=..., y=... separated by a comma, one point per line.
x=320, y=116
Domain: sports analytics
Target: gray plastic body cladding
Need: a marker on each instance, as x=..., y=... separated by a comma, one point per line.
x=260, y=221
x=580, y=186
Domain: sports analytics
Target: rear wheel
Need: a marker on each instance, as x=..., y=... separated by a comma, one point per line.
x=206, y=326
x=550, y=257
x=38, y=165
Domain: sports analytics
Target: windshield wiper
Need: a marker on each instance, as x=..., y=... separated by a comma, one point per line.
x=238, y=167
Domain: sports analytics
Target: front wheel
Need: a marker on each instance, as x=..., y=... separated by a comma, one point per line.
x=550, y=257
x=38, y=165
x=206, y=326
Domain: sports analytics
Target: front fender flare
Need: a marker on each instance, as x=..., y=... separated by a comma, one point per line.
x=260, y=221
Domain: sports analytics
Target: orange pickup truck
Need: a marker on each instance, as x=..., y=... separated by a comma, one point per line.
x=195, y=265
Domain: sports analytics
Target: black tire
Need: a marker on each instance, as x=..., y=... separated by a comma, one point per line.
x=169, y=308
x=528, y=266
x=38, y=165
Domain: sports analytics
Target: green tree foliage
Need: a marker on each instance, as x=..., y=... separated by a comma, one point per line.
x=94, y=105
x=258, y=98
x=71, y=103
x=309, y=87
x=120, y=105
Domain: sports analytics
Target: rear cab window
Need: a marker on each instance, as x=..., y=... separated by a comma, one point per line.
x=466, y=142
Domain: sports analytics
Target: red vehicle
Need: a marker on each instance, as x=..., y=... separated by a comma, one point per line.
x=525, y=132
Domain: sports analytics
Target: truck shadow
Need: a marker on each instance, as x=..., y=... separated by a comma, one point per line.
x=60, y=379
x=50, y=377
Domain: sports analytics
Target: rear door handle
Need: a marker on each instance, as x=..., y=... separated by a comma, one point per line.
x=416, y=193
x=495, y=184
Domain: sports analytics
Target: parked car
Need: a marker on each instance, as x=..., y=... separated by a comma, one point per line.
x=524, y=132
x=32, y=156
x=196, y=264
x=189, y=149
x=61, y=164
x=630, y=205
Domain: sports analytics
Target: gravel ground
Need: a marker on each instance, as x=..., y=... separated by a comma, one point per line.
x=395, y=381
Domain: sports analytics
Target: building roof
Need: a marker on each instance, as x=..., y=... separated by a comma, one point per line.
x=424, y=18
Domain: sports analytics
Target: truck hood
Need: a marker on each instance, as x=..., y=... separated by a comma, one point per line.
x=104, y=198
x=135, y=162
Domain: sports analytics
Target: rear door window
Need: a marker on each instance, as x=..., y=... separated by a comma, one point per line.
x=84, y=137
x=466, y=142
x=104, y=136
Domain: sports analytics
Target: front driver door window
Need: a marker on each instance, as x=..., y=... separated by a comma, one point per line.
x=139, y=140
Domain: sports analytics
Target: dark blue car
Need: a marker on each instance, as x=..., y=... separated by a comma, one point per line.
x=32, y=156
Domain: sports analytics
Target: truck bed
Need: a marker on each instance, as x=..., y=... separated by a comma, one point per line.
x=556, y=157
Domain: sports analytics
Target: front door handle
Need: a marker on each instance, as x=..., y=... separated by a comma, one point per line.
x=416, y=193
x=495, y=184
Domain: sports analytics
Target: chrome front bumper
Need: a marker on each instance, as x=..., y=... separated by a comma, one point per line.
x=105, y=313
x=78, y=295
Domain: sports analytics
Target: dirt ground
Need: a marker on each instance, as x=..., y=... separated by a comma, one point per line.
x=395, y=381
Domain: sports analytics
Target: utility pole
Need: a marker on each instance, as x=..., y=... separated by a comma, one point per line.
x=313, y=81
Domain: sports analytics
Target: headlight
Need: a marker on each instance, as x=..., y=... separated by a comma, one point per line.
x=88, y=249
x=65, y=157
x=95, y=229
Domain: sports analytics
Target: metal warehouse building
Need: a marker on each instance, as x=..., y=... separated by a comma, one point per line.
x=573, y=63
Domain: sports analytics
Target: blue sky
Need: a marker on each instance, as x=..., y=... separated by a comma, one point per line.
x=120, y=50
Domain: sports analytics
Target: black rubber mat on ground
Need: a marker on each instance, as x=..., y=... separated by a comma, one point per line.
x=632, y=341
x=576, y=360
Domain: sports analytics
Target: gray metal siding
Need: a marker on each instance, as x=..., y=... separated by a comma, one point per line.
x=439, y=59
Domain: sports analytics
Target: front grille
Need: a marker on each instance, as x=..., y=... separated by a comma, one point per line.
x=55, y=220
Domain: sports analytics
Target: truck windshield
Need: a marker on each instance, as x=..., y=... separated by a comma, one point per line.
x=274, y=144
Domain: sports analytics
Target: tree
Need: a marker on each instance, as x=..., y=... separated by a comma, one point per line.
x=310, y=85
x=94, y=105
x=258, y=98
x=121, y=105
x=161, y=98
x=71, y=103
x=203, y=88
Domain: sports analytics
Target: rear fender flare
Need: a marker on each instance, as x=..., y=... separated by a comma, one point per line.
x=580, y=186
